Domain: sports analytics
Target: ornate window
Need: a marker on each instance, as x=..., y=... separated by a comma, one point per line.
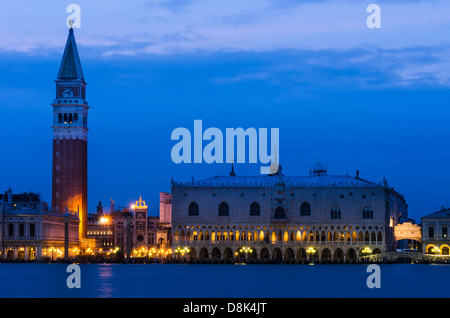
x=335, y=213
x=224, y=209
x=367, y=213
x=280, y=213
x=305, y=209
x=21, y=229
x=255, y=209
x=193, y=209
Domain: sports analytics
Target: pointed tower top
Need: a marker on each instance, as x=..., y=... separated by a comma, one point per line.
x=70, y=68
x=232, y=173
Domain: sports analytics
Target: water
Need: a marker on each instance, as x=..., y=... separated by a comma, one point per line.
x=225, y=281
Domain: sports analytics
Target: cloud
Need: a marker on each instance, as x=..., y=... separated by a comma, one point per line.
x=411, y=48
x=251, y=25
x=361, y=68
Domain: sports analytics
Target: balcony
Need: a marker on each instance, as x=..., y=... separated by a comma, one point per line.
x=282, y=243
x=435, y=239
x=21, y=238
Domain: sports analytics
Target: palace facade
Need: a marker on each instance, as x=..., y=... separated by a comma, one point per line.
x=278, y=218
x=435, y=236
x=30, y=231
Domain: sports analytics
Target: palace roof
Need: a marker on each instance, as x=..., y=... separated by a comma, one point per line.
x=272, y=180
x=443, y=213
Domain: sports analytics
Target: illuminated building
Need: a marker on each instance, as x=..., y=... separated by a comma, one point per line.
x=70, y=111
x=278, y=218
x=435, y=236
x=164, y=226
x=29, y=231
x=101, y=229
x=135, y=230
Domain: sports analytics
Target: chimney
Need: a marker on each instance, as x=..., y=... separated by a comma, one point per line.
x=357, y=173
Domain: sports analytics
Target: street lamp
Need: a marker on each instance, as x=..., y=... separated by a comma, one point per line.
x=311, y=251
x=366, y=251
x=181, y=251
x=53, y=250
x=244, y=250
x=436, y=250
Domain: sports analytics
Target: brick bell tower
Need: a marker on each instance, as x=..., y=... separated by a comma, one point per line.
x=70, y=111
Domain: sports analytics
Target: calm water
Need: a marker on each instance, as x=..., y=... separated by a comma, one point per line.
x=242, y=281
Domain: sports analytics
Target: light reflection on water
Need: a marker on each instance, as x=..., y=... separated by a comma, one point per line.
x=105, y=273
x=236, y=281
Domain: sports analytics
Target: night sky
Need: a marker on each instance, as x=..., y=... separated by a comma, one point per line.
x=373, y=100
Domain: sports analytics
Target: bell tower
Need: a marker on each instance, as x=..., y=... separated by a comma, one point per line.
x=140, y=225
x=70, y=111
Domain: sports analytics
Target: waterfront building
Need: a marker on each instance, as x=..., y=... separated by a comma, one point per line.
x=30, y=231
x=135, y=231
x=164, y=226
x=278, y=218
x=101, y=229
x=435, y=236
x=70, y=112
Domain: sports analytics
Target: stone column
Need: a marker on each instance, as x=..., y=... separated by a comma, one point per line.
x=38, y=252
x=66, y=236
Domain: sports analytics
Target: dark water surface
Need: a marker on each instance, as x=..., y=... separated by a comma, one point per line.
x=240, y=281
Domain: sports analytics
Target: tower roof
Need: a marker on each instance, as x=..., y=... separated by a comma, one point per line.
x=70, y=68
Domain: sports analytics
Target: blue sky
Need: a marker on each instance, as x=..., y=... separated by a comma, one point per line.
x=352, y=97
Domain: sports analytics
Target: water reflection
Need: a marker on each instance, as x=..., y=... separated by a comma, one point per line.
x=105, y=274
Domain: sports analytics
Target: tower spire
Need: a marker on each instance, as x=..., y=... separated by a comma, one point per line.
x=70, y=68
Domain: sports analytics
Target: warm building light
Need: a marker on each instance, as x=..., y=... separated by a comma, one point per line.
x=311, y=250
x=367, y=250
x=104, y=220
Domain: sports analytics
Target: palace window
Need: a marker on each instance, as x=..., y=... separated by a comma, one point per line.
x=305, y=209
x=280, y=213
x=193, y=209
x=367, y=213
x=32, y=230
x=11, y=229
x=255, y=209
x=224, y=209
x=335, y=213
